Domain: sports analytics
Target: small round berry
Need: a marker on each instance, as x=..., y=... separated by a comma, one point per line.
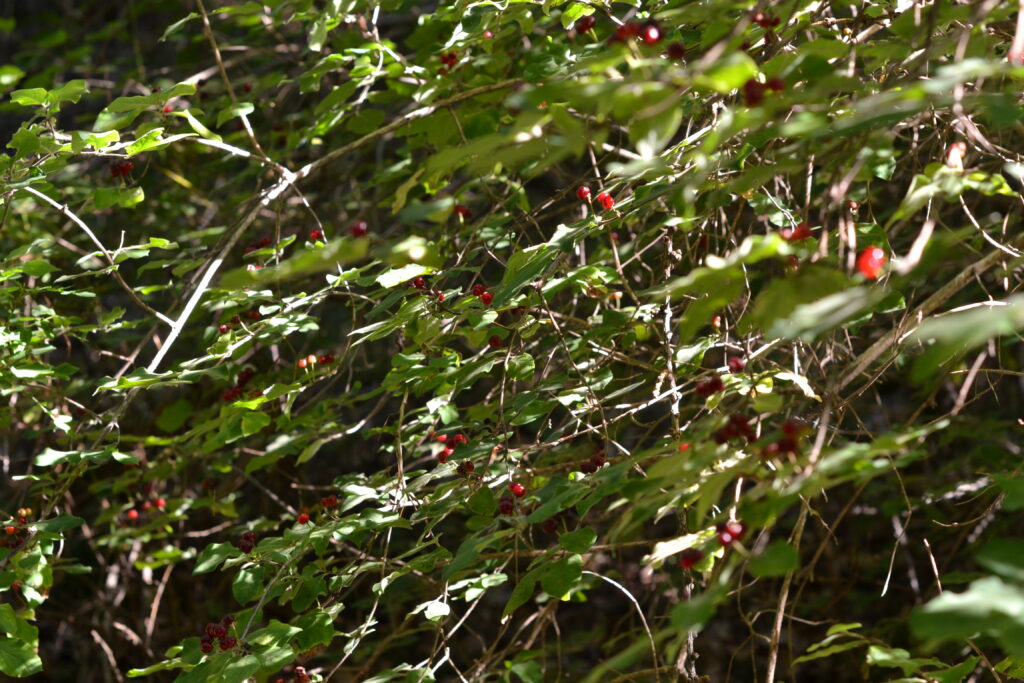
x=228, y=620
x=466, y=467
x=325, y=359
x=311, y=359
x=775, y=84
x=219, y=631
x=689, y=557
x=211, y=630
x=419, y=283
x=224, y=329
x=441, y=438
x=870, y=262
x=753, y=92
x=443, y=456
x=228, y=643
x=303, y=518
x=598, y=460
x=488, y=35
x=506, y=505
x=329, y=501
x=550, y=525
x=168, y=109
x=650, y=34
x=24, y=512
x=252, y=315
x=442, y=71
x=459, y=439
x=440, y=295
x=625, y=32
x=676, y=51
x=478, y=290
x=11, y=530
x=359, y=229
x=709, y=386
x=146, y=505
x=249, y=536
x=583, y=193
x=133, y=514
x=206, y=648
x=792, y=428
x=302, y=363
x=605, y=200
x=252, y=267
x=684, y=446
x=486, y=298
x=517, y=489
x=495, y=342
x=584, y=24
x=736, y=364
x=316, y=235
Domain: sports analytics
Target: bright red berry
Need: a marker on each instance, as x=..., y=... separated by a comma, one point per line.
x=605, y=200
x=650, y=34
x=303, y=518
x=736, y=364
x=11, y=530
x=870, y=262
x=419, y=283
x=517, y=489
x=689, y=557
x=488, y=34
x=133, y=514
x=302, y=363
x=224, y=329
x=727, y=533
x=486, y=298
x=359, y=229
x=317, y=235
x=447, y=452
x=684, y=446
x=799, y=233
x=459, y=439
x=583, y=193
x=478, y=290
x=168, y=109
x=584, y=24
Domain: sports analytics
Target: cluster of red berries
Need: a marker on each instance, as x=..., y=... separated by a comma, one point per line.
x=247, y=542
x=738, y=427
x=798, y=233
x=754, y=90
x=870, y=262
x=450, y=444
x=13, y=531
x=710, y=386
x=313, y=359
x=449, y=59
x=648, y=33
x=159, y=503
x=121, y=169
x=330, y=501
x=729, y=532
x=788, y=444
x=690, y=557
x=235, y=393
x=765, y=20
x=603, y=198
x=262, y=243
x=507, y=504
x=595, y=463
x=465, y=468
x=218, y=631
x=252, y=316
x=485, y=297
x=303, y=518
x=421, y=284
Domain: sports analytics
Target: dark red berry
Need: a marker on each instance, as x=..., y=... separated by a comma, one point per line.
x=16, y=585
x=550, y=525
x=625, y=32
x=676, y=51
x=787, y=444
x=495, y=342
x=583, y=193
x=329, y=501
x=303, y=518
x=325, y=359
x=466, y=467
x=588, y=468
x=753, y=92
x=506, y=505
x=736, y=364
x=584, y=24
x=792, y=428
x=463, y=211
x=689, y=557
x=249, y=536
x=711, y=385
x=211, y=630
x=517, y=489
x=228, y=643
x=206, y=647
x=228, y=620
x=486, y=298
x=316, y=235
x=419, y=283
x=605, y=200
x=224, y=329
x=775, y=84
x=359, y=229
x=870, y=262
x=219, y=631
x=478, y=290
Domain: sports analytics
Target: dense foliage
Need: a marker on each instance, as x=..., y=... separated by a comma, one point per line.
x=528, y=341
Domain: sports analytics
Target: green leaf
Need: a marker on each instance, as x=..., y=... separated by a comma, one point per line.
x=562, y=576
x=213, y=555
x=253, y=422
x=521, y=366
x=1003, y=556
x=174, y=415
x=59, y=523
x=397, y=276
x=18, y=658
x=728, y=73
x=578, y=541
x=777, y=559
x=247, y=584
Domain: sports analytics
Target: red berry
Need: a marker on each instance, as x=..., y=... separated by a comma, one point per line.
x=597, y=460
x=419, y=283
x=495, y=342
x=11, y=530
x=486, y=298
x=227, y=643
x=684, y=446
x=160, y=503
x=168, y=109
x=252, y=315
x=146, y=505
x=775, y=84
x=447, y=452
x=441, y=438
x=753, y=92
x=772, y=450
x=736, y=364
x=488, y=34
x=247, y=87
x=302, y=363
x=228, y=620
x=583, y=193
x=517, y=489
x=650, y=34
x=709, y=386
x=588, y=468
x=606, y=200
x=550, y=525
x=303, y=518
x=265, y=241
x=206, y=647
x=316, y=235
x=460, y=438
x=133, y=514
x=442, y=71
x=325, y=359
x=506, y=505
x=625, y=32
x=478, y=290
x=676, y=51
x=329, y=501
x=870, y=262
x=801, y=232
x=792, y=428
x=16, y=585
x=440, y=296
x=466, y=467
x=359, y=229
x=224, y=329
x=249, y=536
x=463, y=211
x=689, y=557
x=211, y=630
x=584, y=24
x=219, y=631
x=787, y=444
x=442, y=457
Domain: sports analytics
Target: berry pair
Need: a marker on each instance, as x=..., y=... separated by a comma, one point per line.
x=604, y=199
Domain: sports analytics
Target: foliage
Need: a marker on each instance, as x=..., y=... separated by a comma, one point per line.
x=304, y=323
